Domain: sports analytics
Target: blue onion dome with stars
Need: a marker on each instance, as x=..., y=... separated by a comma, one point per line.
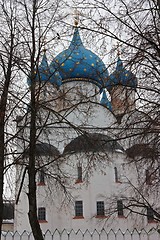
x=79, y=63
x=44, y=74
x=121, y=76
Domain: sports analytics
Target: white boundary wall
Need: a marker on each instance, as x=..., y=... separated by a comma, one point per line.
x=153, y=234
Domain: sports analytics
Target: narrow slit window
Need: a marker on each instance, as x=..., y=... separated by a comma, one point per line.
x=120, y=208
x=41, y=176
x=116, y=174
x=79, y=171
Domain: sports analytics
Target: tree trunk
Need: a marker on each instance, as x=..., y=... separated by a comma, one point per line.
x=3, y=104
x=32, y=172
x=32, y=197
x=1, y=169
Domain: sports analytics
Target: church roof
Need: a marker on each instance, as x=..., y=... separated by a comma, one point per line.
x=44, y=74
x=44, y=149
x=121, y=76
x=142, y=150
x=92, y=142
x=79, y=63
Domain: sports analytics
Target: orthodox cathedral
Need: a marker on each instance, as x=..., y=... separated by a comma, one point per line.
x=85, y=176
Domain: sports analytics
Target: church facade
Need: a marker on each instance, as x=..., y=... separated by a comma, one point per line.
x=84, y=177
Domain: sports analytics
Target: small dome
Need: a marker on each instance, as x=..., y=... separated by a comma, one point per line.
x=44, y=74
x=79, y=63
x=121, y=77
x=104, y=101
x=44, y=149
x=142, y=150
x=92, y=142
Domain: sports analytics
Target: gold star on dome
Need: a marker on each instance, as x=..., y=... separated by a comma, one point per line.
x=85, y=69
x=62, y=64
x=92, y=64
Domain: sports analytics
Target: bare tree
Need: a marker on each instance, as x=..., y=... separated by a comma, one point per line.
x=37, y=20
x=143, y=59
x=8, y=45
x=19, y=53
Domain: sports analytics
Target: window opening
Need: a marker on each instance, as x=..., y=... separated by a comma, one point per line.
x=100, y=208
x=41, y=176
x=116, y=174
x=150, y=214
x=41, y=213
x=120, y=208
x=79, y=170
x=78, y=208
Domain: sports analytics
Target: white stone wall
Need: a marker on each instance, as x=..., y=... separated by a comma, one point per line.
x=98, y=185
x=98, y=171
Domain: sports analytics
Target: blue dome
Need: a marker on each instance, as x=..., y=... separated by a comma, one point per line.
x=79, y=63
x=121, y=77
x=44, y=74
